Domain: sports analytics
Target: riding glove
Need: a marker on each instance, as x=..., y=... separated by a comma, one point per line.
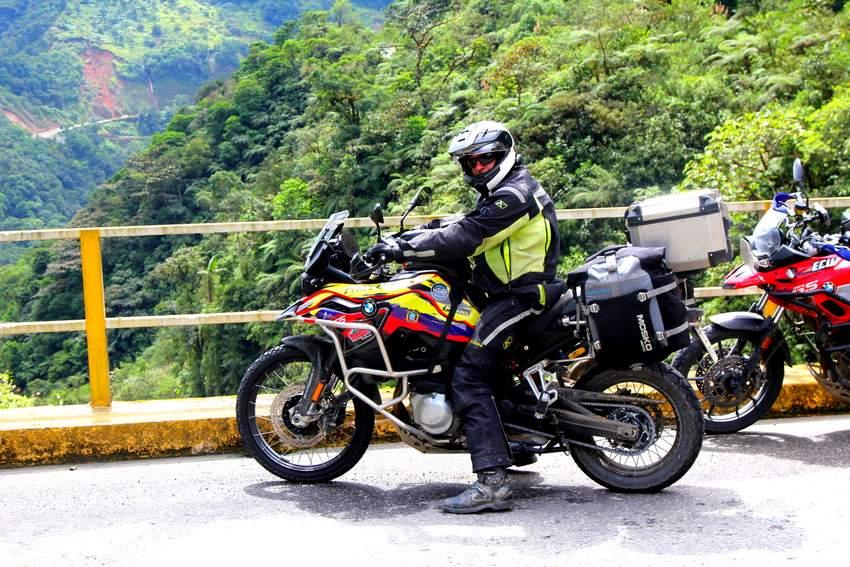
x=388, y=249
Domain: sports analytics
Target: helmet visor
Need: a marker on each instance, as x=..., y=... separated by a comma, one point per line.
x=469, y=162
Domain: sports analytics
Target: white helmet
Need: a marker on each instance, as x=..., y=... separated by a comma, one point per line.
x=484, y=139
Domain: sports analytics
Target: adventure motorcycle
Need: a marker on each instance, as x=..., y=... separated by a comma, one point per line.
x=306, y=409
x=737, y=367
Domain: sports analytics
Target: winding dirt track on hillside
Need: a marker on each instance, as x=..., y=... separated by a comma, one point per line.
x=28, y=124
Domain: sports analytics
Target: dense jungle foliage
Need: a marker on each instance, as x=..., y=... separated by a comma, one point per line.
x=65, y=62
x=610, y=101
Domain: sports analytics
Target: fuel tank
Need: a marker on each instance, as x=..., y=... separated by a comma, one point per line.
x=415, y=301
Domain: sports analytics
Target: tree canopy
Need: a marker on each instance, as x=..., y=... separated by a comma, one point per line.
x=609, y=101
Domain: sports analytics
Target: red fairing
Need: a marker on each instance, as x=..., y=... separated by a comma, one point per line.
x=815, y=287
x=743, y=276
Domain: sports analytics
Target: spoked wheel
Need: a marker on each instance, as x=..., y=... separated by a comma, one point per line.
x=669, y=427
x=314, y=449
x=732, y=395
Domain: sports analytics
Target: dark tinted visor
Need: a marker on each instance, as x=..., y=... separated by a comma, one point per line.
x=469, y=161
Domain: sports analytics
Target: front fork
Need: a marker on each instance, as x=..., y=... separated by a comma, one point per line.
x=697, y=330
x=764, y=307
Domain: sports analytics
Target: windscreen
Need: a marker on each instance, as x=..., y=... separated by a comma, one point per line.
x=335, y=221
x=767, y=236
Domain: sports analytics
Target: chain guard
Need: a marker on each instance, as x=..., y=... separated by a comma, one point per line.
x=726, y=384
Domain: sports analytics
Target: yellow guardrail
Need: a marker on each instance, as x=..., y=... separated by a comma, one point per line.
x=96, y=323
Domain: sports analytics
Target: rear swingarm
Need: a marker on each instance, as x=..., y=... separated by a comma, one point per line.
x=583, y=424
x=592, y=398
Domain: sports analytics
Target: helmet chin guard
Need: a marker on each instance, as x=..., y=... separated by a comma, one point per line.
x=484, y=138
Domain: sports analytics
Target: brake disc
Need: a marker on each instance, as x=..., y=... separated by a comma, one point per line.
x=833, y=373
x=726, y=384
x=288, y=432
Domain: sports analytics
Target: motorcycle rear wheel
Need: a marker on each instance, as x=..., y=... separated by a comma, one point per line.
x=317, y=452
x=756, y=395
x=670, y=433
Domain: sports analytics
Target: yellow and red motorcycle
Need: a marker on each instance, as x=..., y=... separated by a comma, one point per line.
x=306, y=408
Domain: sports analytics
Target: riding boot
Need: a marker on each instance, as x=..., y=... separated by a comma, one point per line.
x=490, y=492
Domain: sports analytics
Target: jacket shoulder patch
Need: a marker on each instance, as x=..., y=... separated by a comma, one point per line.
x=509, y=190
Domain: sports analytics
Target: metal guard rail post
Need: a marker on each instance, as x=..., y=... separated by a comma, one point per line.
x=96, y=323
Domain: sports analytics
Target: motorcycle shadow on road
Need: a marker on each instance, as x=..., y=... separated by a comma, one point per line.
x=355, y=501
x=830, y=449
x=544, y=513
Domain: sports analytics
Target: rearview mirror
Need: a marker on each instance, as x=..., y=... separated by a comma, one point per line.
x=377, y=215
x=798, y=171
x=422, y=196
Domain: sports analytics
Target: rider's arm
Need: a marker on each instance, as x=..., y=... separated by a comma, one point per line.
x=493, y=220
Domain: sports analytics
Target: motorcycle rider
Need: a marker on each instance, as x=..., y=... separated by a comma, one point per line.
x=512, y=237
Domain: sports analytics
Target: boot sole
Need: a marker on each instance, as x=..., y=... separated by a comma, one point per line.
x=489, y=507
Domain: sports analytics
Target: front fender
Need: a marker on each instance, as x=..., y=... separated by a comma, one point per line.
x=746, y=321
x=755, y=323
x=319, y=349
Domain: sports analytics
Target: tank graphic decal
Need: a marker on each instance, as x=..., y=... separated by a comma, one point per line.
x=402, y=318
x=411, y=295
x=419, y=303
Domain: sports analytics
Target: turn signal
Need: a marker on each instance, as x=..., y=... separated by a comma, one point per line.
x=580, y=351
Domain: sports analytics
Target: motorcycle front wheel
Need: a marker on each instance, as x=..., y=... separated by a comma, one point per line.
x=730, y=398
x=669, y=423
x=318, y=451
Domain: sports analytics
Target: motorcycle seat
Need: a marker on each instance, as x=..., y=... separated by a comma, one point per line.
x=565, y=305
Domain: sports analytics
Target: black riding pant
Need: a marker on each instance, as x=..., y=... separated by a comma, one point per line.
x=482, y=362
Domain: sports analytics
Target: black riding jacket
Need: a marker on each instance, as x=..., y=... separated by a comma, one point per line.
x=511, y=235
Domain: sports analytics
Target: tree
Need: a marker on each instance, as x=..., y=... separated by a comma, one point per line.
x=749, y=157
x=418, y=21
x=521, y=66
x=9, y=398
x=342, y=12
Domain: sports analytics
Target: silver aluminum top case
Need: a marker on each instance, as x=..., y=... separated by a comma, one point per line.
x=693, y=226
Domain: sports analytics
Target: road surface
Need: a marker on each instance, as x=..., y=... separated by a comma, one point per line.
x=776, y=494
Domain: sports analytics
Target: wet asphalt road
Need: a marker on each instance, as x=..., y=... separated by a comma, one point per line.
x=776, y=494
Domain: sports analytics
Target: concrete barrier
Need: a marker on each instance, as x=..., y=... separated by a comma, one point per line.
x=61, y=434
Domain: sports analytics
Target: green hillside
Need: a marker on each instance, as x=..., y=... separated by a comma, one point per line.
x=69, y=62
x=610, y=101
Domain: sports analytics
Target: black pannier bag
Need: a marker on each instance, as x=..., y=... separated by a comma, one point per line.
x=633, y=303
